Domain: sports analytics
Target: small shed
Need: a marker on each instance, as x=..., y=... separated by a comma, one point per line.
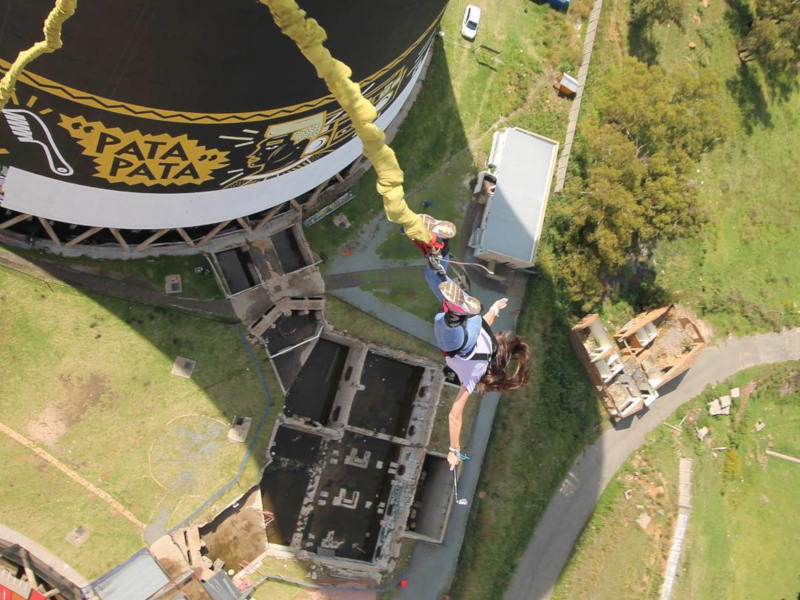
x=566, y=85
x=523, y=164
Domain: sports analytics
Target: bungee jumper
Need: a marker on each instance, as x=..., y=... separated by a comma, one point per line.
x=479, y=358
x=482, y=361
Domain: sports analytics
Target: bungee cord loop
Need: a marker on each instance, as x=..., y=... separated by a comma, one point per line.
x=62, y=11
x=309, y=37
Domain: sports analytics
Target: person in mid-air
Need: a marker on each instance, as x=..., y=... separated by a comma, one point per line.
x=480, y=359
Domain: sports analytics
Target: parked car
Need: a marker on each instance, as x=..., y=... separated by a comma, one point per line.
x=472, y=16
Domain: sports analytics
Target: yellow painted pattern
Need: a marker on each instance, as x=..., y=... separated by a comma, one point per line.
x=309, y=37
x=182, y=116
x=62, y=11
x=131, y=157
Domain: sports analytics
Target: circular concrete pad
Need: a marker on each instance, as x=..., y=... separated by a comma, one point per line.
x=192, y=455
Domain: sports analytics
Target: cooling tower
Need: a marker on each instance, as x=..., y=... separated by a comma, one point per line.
x=175, y=114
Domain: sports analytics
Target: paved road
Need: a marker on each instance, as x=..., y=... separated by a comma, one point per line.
x=570, y=508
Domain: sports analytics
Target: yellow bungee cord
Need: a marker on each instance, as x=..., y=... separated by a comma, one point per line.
x=62, y=11
x=309, y=36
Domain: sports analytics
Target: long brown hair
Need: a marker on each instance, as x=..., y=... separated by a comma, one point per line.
x=510, y=347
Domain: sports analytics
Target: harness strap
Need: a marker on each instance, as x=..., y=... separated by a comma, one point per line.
x=478, y=356
x=458, y=350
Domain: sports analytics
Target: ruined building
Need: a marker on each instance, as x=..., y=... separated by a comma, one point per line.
x=629, y=367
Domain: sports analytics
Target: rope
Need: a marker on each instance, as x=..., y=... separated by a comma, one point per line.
x=62, y=11
x=309, y=37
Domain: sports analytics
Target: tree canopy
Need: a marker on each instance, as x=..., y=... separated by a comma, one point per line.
x=774, y=38
x=638, y=184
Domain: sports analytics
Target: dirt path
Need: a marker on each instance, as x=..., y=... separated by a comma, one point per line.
x=52, y=460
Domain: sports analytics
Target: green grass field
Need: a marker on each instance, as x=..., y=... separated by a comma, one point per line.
x=741, y=525
x=743, y=274
x=88, y=380
x=740, y=274
x=367, y=328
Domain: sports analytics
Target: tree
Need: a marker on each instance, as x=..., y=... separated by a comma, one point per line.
x=660, y=11
x=663, y=113
x=637, y=184
x=774, y=38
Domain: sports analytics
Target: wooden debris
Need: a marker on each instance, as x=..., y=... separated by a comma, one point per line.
x=702, y=433
x=760, y=425
x=784, y=456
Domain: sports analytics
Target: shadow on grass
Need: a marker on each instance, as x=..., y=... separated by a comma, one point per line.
x=538, y=433
x=739, y=17
x=641, y=41
x=782, y=82
x=637, y=287
x=746, y=89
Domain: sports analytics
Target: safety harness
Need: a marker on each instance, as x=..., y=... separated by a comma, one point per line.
x=478, y=355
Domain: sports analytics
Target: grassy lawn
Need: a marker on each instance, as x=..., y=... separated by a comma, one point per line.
x=740, y=274
x=742, y=499
x=440, y=436
x=148, y=272
x=537, y=434
x=275, y=590
x=88, y=380
x=371, y=330
x=408, y=298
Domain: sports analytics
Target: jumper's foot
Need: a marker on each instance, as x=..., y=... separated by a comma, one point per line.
x=458, y=300
x=444, y=230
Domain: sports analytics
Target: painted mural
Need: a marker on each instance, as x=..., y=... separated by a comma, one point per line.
x=182, y=96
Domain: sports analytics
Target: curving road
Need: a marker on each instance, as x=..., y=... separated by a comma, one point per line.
x=570, y=508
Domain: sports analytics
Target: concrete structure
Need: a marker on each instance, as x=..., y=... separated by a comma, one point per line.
x=139, y=577
x=684, y=510
x=347, y=455
x=522, y=163
x=42, y=568
x=644, y=354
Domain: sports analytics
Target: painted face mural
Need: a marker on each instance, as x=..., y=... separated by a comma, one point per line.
x=169, y=99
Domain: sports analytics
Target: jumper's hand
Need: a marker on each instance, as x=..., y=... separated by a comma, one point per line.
x=453, y=459
x=499, y=305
